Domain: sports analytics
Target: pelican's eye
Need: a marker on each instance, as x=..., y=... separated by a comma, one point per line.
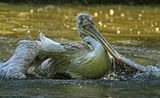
x=92, y=22
x=86, y=22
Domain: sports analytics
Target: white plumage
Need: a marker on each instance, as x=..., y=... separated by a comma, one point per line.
x=49, y=45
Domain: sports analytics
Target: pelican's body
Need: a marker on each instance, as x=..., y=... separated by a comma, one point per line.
x=89, y=60
x=76, y=60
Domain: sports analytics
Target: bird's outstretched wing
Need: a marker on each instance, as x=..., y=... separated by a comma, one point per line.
x=49, y=45
x=52, y=46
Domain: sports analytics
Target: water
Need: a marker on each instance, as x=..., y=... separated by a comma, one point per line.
x=80, y=88
x=134, y=31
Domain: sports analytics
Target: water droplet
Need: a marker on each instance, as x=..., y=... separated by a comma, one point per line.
x=130, y=18
x=40, y=9
x=155, y=23
x=138, y=32
x=140, y=15
x=100, y=12
x=130, y=30
x=118, y=31
x=111, y=12
x=152, y=25
x=122, y=14
x=100, y=23
x=66, y=17
x=142, y=11
x=28, y=31
x=95, y=14
x=24, y=26
x=104, y=26
x=107, y=17
x=14, y=29
x=74, y=28
x=139, y=18
x=143, y=22
x=31, y=10
x=42, y=23
x=67, y=26
x=111, y=20
x=157, y=29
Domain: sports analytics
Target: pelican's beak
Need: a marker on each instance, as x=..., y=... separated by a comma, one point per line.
x=104, y=43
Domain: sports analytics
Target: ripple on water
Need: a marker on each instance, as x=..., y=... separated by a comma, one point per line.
x=79, y=88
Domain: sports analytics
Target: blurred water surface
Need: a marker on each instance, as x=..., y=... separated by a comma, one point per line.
x=134, y=31
x=80, y=88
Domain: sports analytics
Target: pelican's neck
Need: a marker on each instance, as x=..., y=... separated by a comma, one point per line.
x=94, y=43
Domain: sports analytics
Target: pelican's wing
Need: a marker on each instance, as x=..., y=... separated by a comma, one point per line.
x=16, y=66
x=76, y=46
x=52, y=46
x=49, y=45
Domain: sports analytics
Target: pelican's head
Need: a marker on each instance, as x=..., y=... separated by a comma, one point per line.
x=86, y=27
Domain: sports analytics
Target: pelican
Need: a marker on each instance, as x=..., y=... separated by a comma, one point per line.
x=90, y=60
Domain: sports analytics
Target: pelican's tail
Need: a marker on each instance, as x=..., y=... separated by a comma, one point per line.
x=49, y=45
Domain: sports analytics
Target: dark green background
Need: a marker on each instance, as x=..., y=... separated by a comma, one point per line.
x=88, y=2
